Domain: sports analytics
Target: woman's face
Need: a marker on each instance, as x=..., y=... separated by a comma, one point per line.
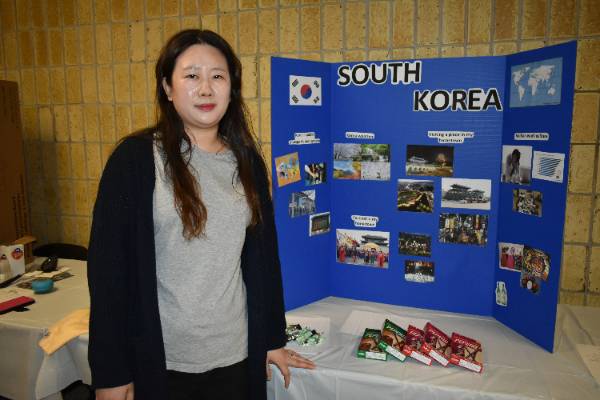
x=200, y=88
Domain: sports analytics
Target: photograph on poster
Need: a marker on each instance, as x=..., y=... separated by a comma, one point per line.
x=415, y=195
x=319, y=224
x=536, y=84
x=361, y=161
x=511, y=256
x=414, y=244
x=530, y=282
x=463, y=229
x=429, y=160
x=419, y=271
x=361, y=152
x=375, y=171
x=501, y=294
x=287, y=168
x=359, y=247
x=466, y=193
x=527, y=202
x=302, y=203
x=516, y=164
x=548, y=166
x=315, y=174
x=536, y=262
x=346, y=169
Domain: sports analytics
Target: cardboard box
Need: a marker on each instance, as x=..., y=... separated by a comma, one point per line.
x=466, y=352
x=392, y=340
x=367, y=348
x=14, y=207
x=414, y=338
x=436, y=344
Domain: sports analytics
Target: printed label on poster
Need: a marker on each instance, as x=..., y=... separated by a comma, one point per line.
x=360, y=135
x=396, y=72
x=541, y=136
x=473, y=99
x=548, y=166
x=450, y=136
x=365, y=221
x=304, y=138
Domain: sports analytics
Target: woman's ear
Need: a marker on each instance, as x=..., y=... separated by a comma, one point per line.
x=167, y=88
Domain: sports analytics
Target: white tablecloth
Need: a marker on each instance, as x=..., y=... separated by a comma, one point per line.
x=25, y=372
x=514, y=368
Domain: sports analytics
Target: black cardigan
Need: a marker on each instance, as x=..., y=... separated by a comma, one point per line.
x=126, y=343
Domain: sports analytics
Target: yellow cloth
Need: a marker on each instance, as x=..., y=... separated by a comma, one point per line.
x=71, y=326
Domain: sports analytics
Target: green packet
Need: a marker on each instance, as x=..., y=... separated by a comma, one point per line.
x=392, y=340
x=368, y=346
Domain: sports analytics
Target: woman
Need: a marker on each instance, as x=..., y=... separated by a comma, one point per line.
x=183, y=269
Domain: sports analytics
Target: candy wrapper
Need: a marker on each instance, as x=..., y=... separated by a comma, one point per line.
x=466, y=352
x=368, y=346
x=414, y=339
x=392, y=340
x=304, y=336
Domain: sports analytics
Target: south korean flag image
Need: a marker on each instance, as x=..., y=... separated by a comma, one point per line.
x=305, y=90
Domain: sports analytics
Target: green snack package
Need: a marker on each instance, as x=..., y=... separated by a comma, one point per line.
x=368, y=346
x=392, y=340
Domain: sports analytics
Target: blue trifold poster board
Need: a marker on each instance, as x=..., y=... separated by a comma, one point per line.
x=436, y=183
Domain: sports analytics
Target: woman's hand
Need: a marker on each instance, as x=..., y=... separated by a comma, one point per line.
x=284, y=358
x=124, y=392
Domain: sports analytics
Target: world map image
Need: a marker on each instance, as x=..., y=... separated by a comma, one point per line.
x=536, y=84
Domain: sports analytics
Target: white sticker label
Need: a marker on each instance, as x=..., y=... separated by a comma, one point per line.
x=374, y=355
x=469, y=365
x=543, y=136
x=365, y=221
x=360, y=135
x=304, y=138
x=438, y=357
x=450, y=136
x=420, y=357
x=400, y=356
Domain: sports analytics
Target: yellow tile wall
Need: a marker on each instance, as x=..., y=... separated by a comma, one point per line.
x=85, y=67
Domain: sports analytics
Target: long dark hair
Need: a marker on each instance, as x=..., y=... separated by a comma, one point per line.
x=234, y=131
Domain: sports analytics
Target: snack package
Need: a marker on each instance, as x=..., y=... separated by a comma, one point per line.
x=368, y=346
x=414, y=338
x=304, y=336
x=436, y=344
x=392, y=340
x=466, y=352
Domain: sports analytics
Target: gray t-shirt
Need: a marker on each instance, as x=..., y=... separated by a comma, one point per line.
x=201, y=294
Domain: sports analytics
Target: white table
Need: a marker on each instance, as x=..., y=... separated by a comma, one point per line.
x=26, y=373
x=514, y=367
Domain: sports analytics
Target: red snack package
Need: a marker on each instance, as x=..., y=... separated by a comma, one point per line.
x=436, y=344
x=466, y=352
x=412, y=344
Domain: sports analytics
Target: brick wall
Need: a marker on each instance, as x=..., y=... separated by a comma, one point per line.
x=84, y=70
